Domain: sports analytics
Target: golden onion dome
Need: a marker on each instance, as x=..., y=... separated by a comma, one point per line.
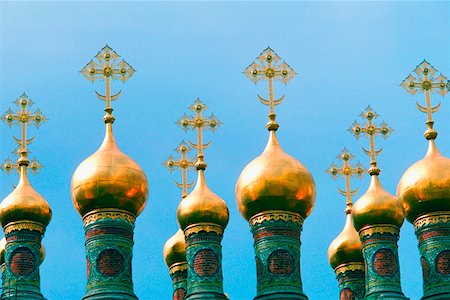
x=175, y=249
x=377, y=206
x=109, y=179
x=425, y=187
x=275, y=181
x=2, y=250
x=202, y=206
x=24, y=203
x=346, y=247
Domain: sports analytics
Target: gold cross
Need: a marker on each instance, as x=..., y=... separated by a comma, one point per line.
x=426, y=83
x=105, y=66
x=23, y=117
x=346, y=171
x=268, y=67
x=198, y=122
x=371, y=131
x=183, y=163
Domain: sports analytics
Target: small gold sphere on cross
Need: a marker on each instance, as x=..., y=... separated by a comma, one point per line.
x=426, y=85
x=107, y=71
x=270, y=72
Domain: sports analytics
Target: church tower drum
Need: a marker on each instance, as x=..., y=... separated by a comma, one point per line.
x=378, y=216
x=275, y=193
x=344, y=252
x=24, y=215
x=109, y=190
x=424, y=191
x=203, y=217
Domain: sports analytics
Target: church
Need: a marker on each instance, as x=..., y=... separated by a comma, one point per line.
x=277, y=194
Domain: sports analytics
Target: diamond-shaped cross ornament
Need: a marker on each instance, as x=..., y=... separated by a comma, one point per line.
x=371, y=130
x=269, y=67
x=106, y=66
x=426, y=82
x=182, y=163
x=346, y=171
x=22, y=117
x=198, y=122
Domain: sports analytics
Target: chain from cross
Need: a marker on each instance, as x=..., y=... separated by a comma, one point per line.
x=182, y=163
x=105, y=66
x=371, y=130
x=198, y=122
x=22, y=117
x=346, y=171
x=427, y=83
x=268, y=67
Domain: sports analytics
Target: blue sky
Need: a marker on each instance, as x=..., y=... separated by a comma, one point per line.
x=347, y=55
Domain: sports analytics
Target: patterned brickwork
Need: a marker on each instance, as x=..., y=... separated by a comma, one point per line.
x=346, y=294
x=109, y=230
x=433, y=235
x=443, y=262
x=283, y=232
x=425, y=268
x=204, y=258
x=109, y=247
x=179, y=294
x=281, y=263
x=351, y=281
x=385, y=262
x=22, y=261
x=205, y=263
x=110, y=262
x=381, y=260
x=22, y=265
x=179, y=281
x=277, y=256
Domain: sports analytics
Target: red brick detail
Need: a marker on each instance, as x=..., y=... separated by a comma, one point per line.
x=259, y=268
x=109, y=230
x=386, y=238
x=443, y=262
x=281, y=263
x=88, y=268
x=22, y=261
x=206, y=262
x=385, y=262
x=346, y=294
x=425, y=268
x=430, y=234
x=286, y=232
x=179, y=294
x=110, y=262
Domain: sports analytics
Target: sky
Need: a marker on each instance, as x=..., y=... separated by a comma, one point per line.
x=347, y=55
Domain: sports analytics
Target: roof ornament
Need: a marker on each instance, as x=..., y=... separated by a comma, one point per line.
x=371, y=130
x=426, y=83
x=268, y=67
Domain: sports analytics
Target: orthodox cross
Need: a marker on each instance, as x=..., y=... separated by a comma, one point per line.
x=105, y=66
x=198, y=122
x=371, y=130
x=346, y=171
x=182, y=163
x=426, y=83
x=268, y=67
x=23, y=117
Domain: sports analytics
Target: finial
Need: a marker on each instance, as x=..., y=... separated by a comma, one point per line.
x=183, y=163
x=346, y=171
x=198, y=122
x=371, y=131
x=105, y=66
x=23, y=117
x=268, y=67
x=426, y=83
